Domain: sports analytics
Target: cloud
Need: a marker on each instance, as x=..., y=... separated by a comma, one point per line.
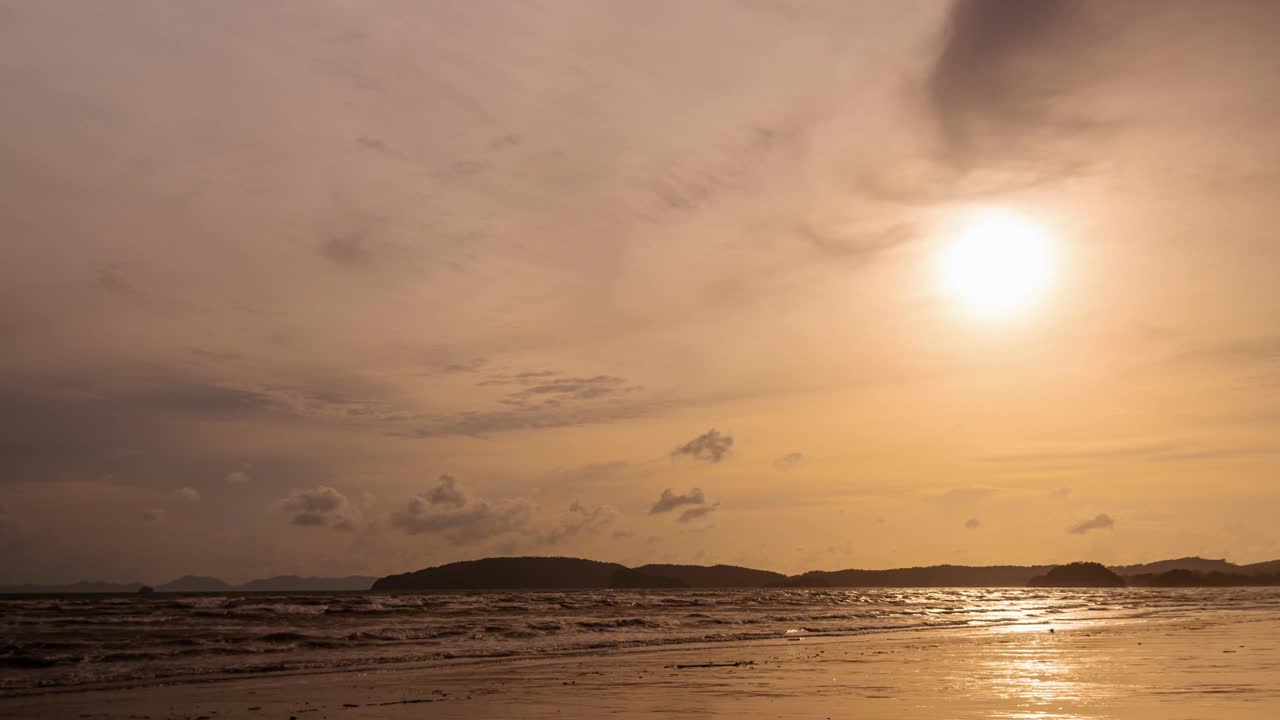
x=199, y=398
x=449, y=510
x=321, y=506
x=973, y=523
x=188, y=493
x=239, y=477
x=581, y=519
x=347, y=250
x=697, y=513
x=669, y=501
x=788, y=461
x=155, y=515
x=960, y=496
x=711, y=446
x=1101, y=521
x=1001, y=72
x=573, y=388
x=447, y=493
x=523, y=416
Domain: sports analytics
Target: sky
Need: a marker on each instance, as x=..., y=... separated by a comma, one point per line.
x=323, y=287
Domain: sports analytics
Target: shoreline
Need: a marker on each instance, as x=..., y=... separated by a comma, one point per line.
x=1223, y=665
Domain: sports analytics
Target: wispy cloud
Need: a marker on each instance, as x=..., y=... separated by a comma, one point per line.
x=669, y=500
x=1101, y=521
x=790, y=460
x=711, y=446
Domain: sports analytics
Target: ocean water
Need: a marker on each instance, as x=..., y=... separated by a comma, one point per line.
x=51, y=642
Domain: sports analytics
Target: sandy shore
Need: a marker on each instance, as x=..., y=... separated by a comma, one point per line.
x=1221, y=668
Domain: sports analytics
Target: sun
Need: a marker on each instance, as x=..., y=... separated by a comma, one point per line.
x=998, y=263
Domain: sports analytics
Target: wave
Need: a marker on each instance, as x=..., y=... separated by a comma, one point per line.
x=69, y=642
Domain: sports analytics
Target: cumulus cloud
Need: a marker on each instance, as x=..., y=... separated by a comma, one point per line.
x=711, y=446
x=581, y=519
x=447, y=492
x=320, y=506
x=239, y=477
x=1101, y=521
x=697, y=513
x=188, y=493
x=973, y=523
x=788, y=461
x=449, y=510
x=155, y=515
x=669, y=501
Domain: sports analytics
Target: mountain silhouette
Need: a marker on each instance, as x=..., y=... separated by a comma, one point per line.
x=544, y=572
x=524, y=572
x=714, y=576
x=933, y=576
x=1078, y=575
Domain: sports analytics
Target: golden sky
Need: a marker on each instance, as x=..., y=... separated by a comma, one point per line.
x=325, y=287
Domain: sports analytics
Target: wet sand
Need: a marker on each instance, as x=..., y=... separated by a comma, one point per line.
x=1221, y=667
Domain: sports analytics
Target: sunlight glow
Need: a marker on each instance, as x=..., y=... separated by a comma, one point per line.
x=998, y=263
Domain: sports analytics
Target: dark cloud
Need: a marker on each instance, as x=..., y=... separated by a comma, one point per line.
x=581, y=519
x=350, y=251
x=697, y=513
x=438, y=512
x=447, y=493
x=155, y=515
x=973, y=523
x=669, y=501
x=574, y=388
x=1002, y=72
x=321, y=506
x=198, y=399
x=1101, y=521
x=711, y=446
x=544, y=417
x=788, y=461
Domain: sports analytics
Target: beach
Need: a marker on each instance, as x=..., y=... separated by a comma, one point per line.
x=1219, y=665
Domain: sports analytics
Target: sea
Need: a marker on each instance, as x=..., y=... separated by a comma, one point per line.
x=49, y=643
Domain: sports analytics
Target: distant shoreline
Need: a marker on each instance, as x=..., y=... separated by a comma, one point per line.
x=558, y=573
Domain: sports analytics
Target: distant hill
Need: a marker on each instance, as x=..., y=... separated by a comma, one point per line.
x=548, y=573
x=87, y=587
x=934, y=576
x=1191, y=578
x=197, y=584
x=194, y=583
x=293, y=583
x=1195, y=564
x=1263, y=568
x=523, y=572
x=714, y=576
x=1078, y=575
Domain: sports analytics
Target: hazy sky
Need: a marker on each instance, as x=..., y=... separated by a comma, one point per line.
x=331, y=287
